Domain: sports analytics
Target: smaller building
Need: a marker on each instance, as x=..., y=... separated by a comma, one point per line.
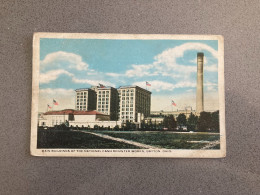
x=76, y=118
x=155, y=114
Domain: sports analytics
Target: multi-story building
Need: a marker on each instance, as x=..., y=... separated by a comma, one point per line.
x=107, y=101
x=86, y=99
x=133, y=100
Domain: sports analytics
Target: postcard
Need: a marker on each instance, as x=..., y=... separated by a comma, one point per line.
x=128, y=95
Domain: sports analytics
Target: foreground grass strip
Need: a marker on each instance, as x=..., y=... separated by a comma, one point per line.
x=168, y=140
x=145, y=146
x=75, y=139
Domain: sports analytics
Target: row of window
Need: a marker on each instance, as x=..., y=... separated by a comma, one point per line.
x=127, y=113
x=81, y=100
x=102, y=106
x=127, y=109
x=126, y=106
x=81, y=107
x=126, y=94
x=81, y=93
x=81, y=103
x=125, y=90
x=103, y=92
x=103, y=110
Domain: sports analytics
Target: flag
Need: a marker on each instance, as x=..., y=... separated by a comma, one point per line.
x=55, y=102
x=101, y=85
x=148, y=84
x=49, y=106
x=173, y=103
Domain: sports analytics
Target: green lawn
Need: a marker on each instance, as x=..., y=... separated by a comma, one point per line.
x=79, y=140
x=169, y=140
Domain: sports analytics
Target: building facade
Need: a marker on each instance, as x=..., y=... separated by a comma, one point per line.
x=76, y=118
x=86, y=99
x=133, y=100
x=107, y=102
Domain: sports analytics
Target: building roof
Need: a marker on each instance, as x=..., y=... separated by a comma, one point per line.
x=134, y=86
x=84, y=89
x=74, y=112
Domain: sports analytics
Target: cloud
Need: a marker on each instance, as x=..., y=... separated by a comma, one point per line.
x=163, y=102
x=161, y=85
x=65, y=98
x=212, y=68
x=92, y=82
x=60, y=59
x=57, y=91
x=169, y=56
x=165, y=64
x=111, y=74
x=141, y=70
x=52, y=75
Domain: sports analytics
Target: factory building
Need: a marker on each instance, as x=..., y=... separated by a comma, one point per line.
x=76, y=118
x=134, y=101
x=107, y=101
x=86, y=99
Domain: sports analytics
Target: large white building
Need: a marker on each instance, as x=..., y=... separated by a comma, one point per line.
x=127, y=103
x=107, y=101
x=134, y=101
x=86, y=99
x=76, y=118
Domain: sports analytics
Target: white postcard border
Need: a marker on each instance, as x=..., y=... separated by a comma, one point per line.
x=151, y=153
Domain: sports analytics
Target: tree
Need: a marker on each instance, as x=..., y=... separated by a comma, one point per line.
x=204, y=122
x=169, y=122
x=192, y=122
x=116, y=128
x=181, y=120
x=215, y=121
x=128, y=125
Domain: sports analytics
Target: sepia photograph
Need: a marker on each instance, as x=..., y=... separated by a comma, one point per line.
x=128, y=95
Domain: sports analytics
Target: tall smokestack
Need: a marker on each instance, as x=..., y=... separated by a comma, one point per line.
x=200, y=94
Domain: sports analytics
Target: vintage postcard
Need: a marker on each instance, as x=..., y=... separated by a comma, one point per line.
x=128, y=95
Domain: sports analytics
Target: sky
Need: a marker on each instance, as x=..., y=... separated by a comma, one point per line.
x=170, y=67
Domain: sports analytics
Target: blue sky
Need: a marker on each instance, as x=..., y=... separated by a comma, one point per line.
x=169, y=65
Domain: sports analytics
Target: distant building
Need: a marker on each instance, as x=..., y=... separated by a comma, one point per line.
x=133, y=100
x=156, y=114
x=107, y=101
x=86, y=99
x=76, y=118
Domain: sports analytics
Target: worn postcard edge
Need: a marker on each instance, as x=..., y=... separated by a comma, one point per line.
x=150, y=153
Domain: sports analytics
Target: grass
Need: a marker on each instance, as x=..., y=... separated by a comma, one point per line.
x=77, y=140
x=168, y=140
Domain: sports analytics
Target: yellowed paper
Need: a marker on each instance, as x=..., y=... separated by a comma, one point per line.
x=128, y=95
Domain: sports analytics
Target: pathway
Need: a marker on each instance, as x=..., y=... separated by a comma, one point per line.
x=145, y=146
